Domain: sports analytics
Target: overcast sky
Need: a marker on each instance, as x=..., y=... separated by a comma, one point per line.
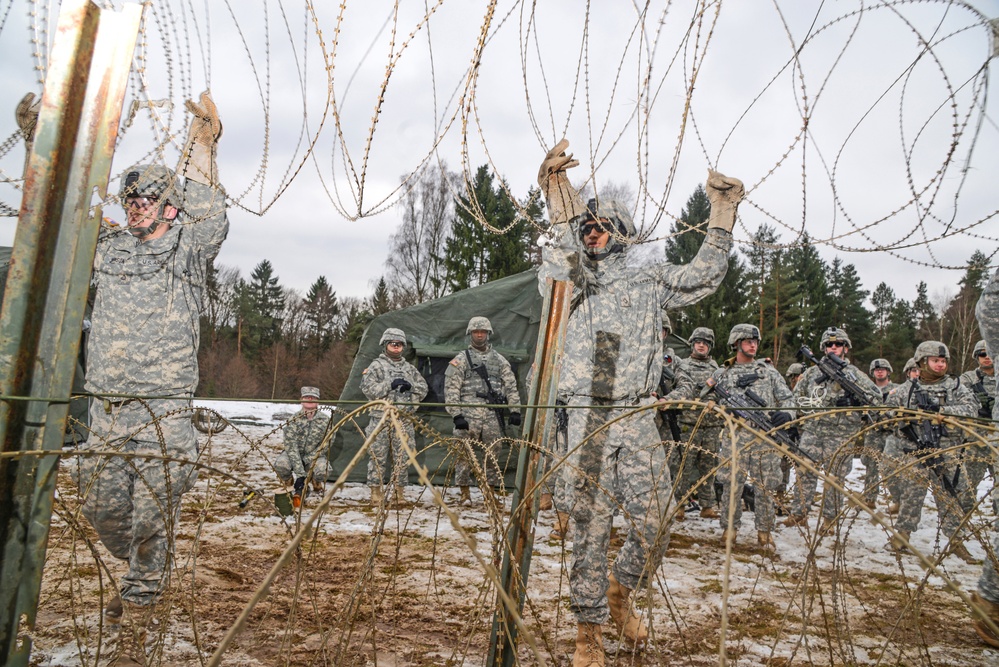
x=900, y=144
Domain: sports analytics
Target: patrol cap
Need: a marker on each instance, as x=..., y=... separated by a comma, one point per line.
x=393, y=334
x=880, y=363
x=150, y=180
x=930, y=348
x=479, y=324
x=310, y=392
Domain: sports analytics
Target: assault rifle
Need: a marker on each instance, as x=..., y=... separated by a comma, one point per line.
x=926, y=435
x=832, y=370
x=987, y=402
x=492, y=396
x=667, y=380
x=738, y=405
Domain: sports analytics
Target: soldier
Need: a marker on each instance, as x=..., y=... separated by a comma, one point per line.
x=793, y=374
x=874, y=439
x=304, y=456
x=742, y=374
x=391, y=378
x=910, y=370
x=150, y=279
x=985, y=607
x=480, y=376
x=703, y=432
x=667, y=421
x=826, y=439
x=611, y=365
x=982, y=382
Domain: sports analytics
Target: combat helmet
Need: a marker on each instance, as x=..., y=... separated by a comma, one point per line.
x=794, y=370
x=979, y=349
x=880, y=363
x=393, y=334
x=617, y=213
x=479, y=323
x=150, y=180
x=834, y=335
x=909, y=365
x=930, y=348
x=702, y=333
x=742, y=332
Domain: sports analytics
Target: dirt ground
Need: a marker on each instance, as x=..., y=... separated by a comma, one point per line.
x=408, y=586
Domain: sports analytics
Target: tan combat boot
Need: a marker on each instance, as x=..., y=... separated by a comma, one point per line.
x=545, y=502
x=896, y=544
x=729, y=533
x=958, y=548
x=766, y=541
x=893, y=508
x=710, y=513
x=680, y=514
x=629, y=625
x=377, y=496
x=981, y=609
x=131, y=651
x=466, y=496
x=589, y=646
x=399, y=499
x=113, y=610
x=796, y=520
x=561, y=529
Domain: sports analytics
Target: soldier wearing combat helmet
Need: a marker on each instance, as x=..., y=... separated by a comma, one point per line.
x=874, y=440
x=612, y=365
x=391, y=378
x=480, y=376
x=934, y=392
x=982, y=383
x=828, y=439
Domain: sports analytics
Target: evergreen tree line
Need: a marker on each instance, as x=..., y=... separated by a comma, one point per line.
x=263, y=340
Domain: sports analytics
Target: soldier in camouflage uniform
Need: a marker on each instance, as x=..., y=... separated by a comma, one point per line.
x=150, y=278
x=911, y=370
x=874, y=439
x=611, y=365
x=702, y=430
x=982, y=382
x=750, y=455
x=947, y=396
x=391, y=378
x=791, y=376
x=828, y=440
x=668, y=421
x=465, y=383
x=985, y=610
x=304, y=455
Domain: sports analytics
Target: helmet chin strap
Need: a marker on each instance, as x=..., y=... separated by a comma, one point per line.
x=142, y=233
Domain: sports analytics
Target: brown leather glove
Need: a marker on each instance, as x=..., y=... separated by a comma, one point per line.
x=26, y=114
x=198, y=160
x=724, y=193
x=564, y=202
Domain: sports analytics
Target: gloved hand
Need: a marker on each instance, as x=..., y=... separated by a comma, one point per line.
x=844, y=401
x=724, y=193
x=460, y=423
x=198, y=160
x=515, y=419
x=400, y=385
x=564, y=202
x=779, y=418
x=299, y=486
x=985, y=412
x=932, y=407
x=26, y=115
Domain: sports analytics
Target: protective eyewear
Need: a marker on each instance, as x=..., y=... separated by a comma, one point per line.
x=585, y=229
x=396, y=343
x=140, y=203
x=981, y=354
x=835, y=343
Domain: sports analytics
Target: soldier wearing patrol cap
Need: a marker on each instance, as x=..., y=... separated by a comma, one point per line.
x=304, y=456
x=828, y=440
x=480, y=376
x=391, y=378
x=874, y=440
x=943, y=472
x=150, y=279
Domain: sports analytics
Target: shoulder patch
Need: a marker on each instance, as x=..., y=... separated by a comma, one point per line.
x=366, y=371
x=455, y=362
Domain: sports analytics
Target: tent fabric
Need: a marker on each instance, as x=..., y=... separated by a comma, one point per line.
x=436, y=332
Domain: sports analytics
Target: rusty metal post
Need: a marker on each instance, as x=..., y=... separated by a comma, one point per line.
x=47, y=289
x=538, y=427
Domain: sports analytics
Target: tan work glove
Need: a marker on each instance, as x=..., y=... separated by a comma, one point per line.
x=564, y=202
x=724, y=193
x=26, y=114
x=198, y=159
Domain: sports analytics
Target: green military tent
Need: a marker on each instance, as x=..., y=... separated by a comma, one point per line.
x=436, y=333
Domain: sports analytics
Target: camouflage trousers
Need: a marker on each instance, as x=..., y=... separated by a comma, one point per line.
x=978, y=459
x=988, y=583
x=133, y=501
x=559, y=447
x=614, y=466
x=385, y=445
x=915, y=475
x=871, y=456
x=286, y=471
x=830, y=447
x=692, y=466
x=751, y=458
x=483, y=435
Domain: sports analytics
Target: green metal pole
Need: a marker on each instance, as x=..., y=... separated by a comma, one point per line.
x=47, y=289
x=538, y=427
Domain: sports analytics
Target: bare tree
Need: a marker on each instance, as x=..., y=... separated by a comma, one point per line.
x=414, y=266
x=220, y=298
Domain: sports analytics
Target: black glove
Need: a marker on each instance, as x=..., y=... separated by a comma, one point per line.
x=460, y=422
x=401, y=385
x=985, y=412
x=515, y=419
x=299, y=486
x=845, y=401
x=779, y=418
x=932, y=407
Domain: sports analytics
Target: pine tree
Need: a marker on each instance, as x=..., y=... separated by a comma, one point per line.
x=262, y=301
x=321, y=310
x=926, y=314
x=380, y=301
x=848, y=310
